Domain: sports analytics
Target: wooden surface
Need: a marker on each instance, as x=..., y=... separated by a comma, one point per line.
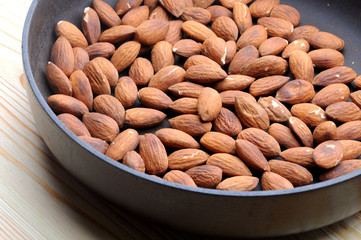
x=38, y=198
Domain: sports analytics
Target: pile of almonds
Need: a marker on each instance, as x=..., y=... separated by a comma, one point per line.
x=225, y=131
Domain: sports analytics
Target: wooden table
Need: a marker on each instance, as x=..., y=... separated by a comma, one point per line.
x=38, y=198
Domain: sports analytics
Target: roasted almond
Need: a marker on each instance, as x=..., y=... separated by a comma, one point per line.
x=251, y=155
x=242, y=16
x=209, y=104
x=187, y=158
x=58, y=82
x=106, y=13
x=302, y=32
x=152, y=31
x=167, y=77
x=136, y=16
x=286, y=12
x=133, y=160
x=326, y=58
x=272, y=46
x=205, y=74
x=197, y=14
x=334, y=75
x=230, y=165
x=301, y=130
x=343, y=112
x=96, y=143
x=174, y=33
x=325, y=40
x=301, y=65
x=71, y=33
x=126, y=91
x=333, y=93
x=296, y=174
x=283, y=136
x=154, y=98
x=101, y=126
x=267, y=85
x=351, y=149
x=234, y=82
x=123, y=7
x=205, y=176
x=185, y=105
x=186, y=89
x=186, y=48
x=324, y=132
x=218, y=11
x=110, y=106
x=345, y=167
x=299, y=155
x=143, y=117
x=190, y=124
x=61, y=103
x=275, y=110
x=81, y=88
x=176, y=139
x=296, y=91
x=328, y=154
x=81, y=58
x=274, y=181
x=238, y=183
x=197, y=31
x=74, y=124
x=108, y=70
x=276, y=27
x=309, y=113
x=254, y=35
x=124, y=56
x=299, y=44
x=126, y=141
x=91, y=25
x=216, y=49
x=162, y=55
x=349, y=131
x=242, y=58
x=262, y=8
x=218, y=142
x=180, y=177
x=117, y=34
x=62, y=55
x=226, y=28
x=266, y=66
x=227, y=123
x=141, y=71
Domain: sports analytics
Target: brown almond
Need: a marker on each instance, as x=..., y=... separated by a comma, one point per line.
x=324, y=132
x=231, y=50
x=238, y=183
x=356, y=98
x=357, y=82
x=190, y=124
x=154, y=98
x=162, y=55
x=296, y=91
x=123, y=7
x=227, y=123
x=286, y=12
x=159, y=13
x=197, y=31
x=218, y=11
x=185, y=105
x=230, y=165
x=299, y=155
x=272, y=46
x=151, y=4
x=141, y=71
x=176, y=8
x=143, y=117
x=262, y=8
x=126, y=141
x=234, y=82
x=186, y=89
x=267, y=85
x=81, y=88
x=101, y=126
x=202, y=3
x=328, y=154
x=205, y=74
x=126, y=91
x=296, y=174
x=125, y=55
x=225, y=28
x=108, y=70
x=300, y=129
x=133, y=160
x=216, y=49
x=96, y=143
x=283, y=135
x=301, y=65
x=174, y=33
x=81, y=58
x=325, y=40
x=242, y=16
x=242, y=58
x=326, y=58
x=302, y=32
x=276, y=111
x=231, y=3
x=299, y=44
x=62, y=55
x=251, y=155
x=276, y=27
x=74, y=124
x=205, y=176
x=167, y=77
x=349, y=131
x=335, y=75
x=176, y=139
x=197, y=14
x=136, y=16
x=331, y=94
x=110, y=106
x=218, y=142
x=91, y=25
x=254, y=35
x=343, y=112
x=209, y=104
x=229, y=97
x=100, y=49
x=186, y=48
x=309, y=113
x=345, y=167
x=186, y=158
x=153, y=152
x=274, y=181
x=351, y=149
x=199, y=60
x=106, y=13
x=266, y=66
x=180, y=177
x=117, y=34
x=71, y=33
x=58, y=82
x=152, y=31
x=61, y=103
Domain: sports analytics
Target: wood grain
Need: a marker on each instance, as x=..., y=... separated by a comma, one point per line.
x=38, y=198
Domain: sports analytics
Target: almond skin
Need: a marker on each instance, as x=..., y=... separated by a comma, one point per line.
x=117, y=34
x=176, y=8
x=226, y=28
x=326, y=58
x=328, y=154
x=205, y=74
x=334, y=75
x=262, y=8
x=302, y=32
x=227, y=123
x=251, y=155
x=299, y=44
x=218, y=143
x=159, y=13
x=331, y=94
x=209, y=104
x=351, y=149
x=345, y=167
x=68, y=30
x=108, y=70
x=81, y=58
x=218, y=11
x=274, y=181
x=202, y=3
x=123, y=7
x=176, y=139
x=242, y=16
x=62, y=55
x=141, y=71
x=205, y=176
x=238, y=183
x=229, y=97
x=242, y=58
x=190, y=124
x=143, y=117
x=356, y=98
x=106, y=13
x=199, y=60
x=126, y=92
x=296, y=174
x=110, y=106
x=100, y=49
x=101, y=126
x=186, y=48
x=180, y=177
x=301, y=65
x=133, y=160
x=275, y=110
x=276, y=27
x=59, y=83
x=167, y=77
x=174, y=33
x=283, y=136
x=74, y=124
x=234, y=82
x=186, y=89
x=325, y=40
x=286, y=12
x=153, y=152
x=296, y=91
x=299, y=155
x=343, y=112
x=91, y=25
x=126, y=141
x=216, y=49
x=197, y=31
x=230, y=165
x=198, y=14
x=185, y=106
x=136, y=16
x=357, y=82
x=324, y=131
x=266, y=66
x=349, y=131
x=162, y=55
x=272, y=46
x=187, y=158
x=309, y=113
x=60, y=103
x=231, y=50
x=154, y=98
x=301, y=130
x=124, y=56
x=96, y=143
x=267, y=85
x=254, y=35
x=81, y=88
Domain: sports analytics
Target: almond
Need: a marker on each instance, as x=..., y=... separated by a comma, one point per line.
x=136, y=16
x=349, y=131
x=197, y=31
x=154, y=98
x=100, y=49
x=325, y=40
x=152, y=4
x=265, y=142
x=301, y=65
x=218, y=11
x=242, y=58
x=186, y=158
x=58, y=82
x=226, y=28
x=141, y=71
x=81, y=58
x=209, y=104
x=74, y=124
x=283, y=136
x=126, y=91
x=91, y=25
x=296, y=174
x=60, y=103
x=215, y=48
x=357, y=82
x=167, y=77
x=126, y=141
x=229, y=97
x=124, y=56
x=199, y=60
x=242, y=16
x=96, y=143
x=143, y=117
x=301, y=130
x=123, y=7
x=345, y=167
x=176, y=139
x=218, y=143
x=159, y=13
x=186, y=48
x=106, y=13
x=186, y=89
x=328, y=154
x=351, y=149
x=238, y=183
x=110, y=106
x=71, y=33
x=162, y=55
x=133, y=160
x=152, y=31
x=174, y=33
x=101, y=126
x=251, y=155
x=62, y=55
x=331, y=94
x=190, y=124
x=334, y=75
x=230, y=165
x=81, y=88
x=356, y=98
x=205, y=176
x=326, y=58
x=254, y=35
x=299, y=155
x=286, y=12
x=299, y=44
x=205, y=74
x=185, y=105
x=227, y=123
x=267, y=85
x=231, y=50
x=262, y=8
x=153, y=152
x=324, y=131
x=202, y=3
x=275, y=110
x=296, y=91
x=302, y=32
x=266, y=66
x=176, y=8
x=108, y=70
x=234, y=82
x=117, y=34
x=274, y=181
x=180, y=177
x=309, y=113
x=276, y=27
x=231, y=3
x=197, y=14
x=272, y=46
x=343, y=112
